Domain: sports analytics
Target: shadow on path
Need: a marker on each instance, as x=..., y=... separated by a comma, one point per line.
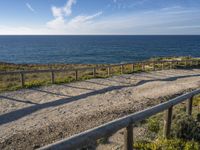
x=16, y=100
x=76, y=87
x=97, y=83
x=17, y=114
x=48, y=92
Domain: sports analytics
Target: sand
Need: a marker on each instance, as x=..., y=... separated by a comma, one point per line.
x=31, y=118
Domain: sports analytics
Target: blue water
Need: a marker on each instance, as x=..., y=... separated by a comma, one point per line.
x=94, y=49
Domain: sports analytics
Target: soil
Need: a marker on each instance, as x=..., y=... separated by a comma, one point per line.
x=32, y=118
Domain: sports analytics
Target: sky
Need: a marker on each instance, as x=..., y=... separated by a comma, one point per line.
x=102, y=17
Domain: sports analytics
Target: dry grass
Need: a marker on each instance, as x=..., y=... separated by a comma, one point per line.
x=13, y=82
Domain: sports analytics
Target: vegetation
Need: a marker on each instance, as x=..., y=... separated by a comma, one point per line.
x=13, y=82
x=173, y=58
x=167, y=144
x=185, y=133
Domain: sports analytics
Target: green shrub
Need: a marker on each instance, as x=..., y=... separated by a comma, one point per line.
x=186, y=127
x=34, y=84
x=164, y=144
x=104, y=140
x=196, y=101
x=198, y=117
x=153, y=125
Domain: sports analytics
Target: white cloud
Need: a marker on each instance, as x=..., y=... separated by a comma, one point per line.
x=78, y=22
x=57, y=23
x=30, y=7
x=83, y=19
x=66, y=10
x=57, y=12
x=162, y=21
x=61, y=23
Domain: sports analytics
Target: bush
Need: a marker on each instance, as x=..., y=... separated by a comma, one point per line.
x=104, y=140
x=198, y=117
x=153, y=125
x=185, y=127
x=164, y=144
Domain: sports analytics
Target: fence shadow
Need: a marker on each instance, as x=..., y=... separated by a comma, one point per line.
x=17, y=114
x=17, y=100
x=48, y=92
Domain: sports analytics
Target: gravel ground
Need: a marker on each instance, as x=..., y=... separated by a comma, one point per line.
x=32, y=118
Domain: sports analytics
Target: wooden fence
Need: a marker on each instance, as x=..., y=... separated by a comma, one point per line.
x=106, y=130
x=153, y=64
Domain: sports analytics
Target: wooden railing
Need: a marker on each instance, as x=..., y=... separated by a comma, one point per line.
x=106, y=130
x=153, y=64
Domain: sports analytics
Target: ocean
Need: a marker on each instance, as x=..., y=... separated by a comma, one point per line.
x=94, y=49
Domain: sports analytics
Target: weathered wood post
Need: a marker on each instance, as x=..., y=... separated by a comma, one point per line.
x=167, y=122
x=189, y=106
x=170, y=65
x=143, y=66
x=94, y=72
x=22, y=79
x=76, y=75
x=154, y=66
x=122, y=69
x=128, y=138
x=177, y=63
x=197, y=63
x=52, y=77
x=109, y=69
x=162, y=63
x=133, y=67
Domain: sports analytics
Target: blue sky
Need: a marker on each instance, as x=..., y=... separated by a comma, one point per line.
x=137, y=17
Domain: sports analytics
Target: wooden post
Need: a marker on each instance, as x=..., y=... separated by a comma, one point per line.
x=143, y=67
x=133, y=67
x=22, y=80
x=52, y=77
x=154, y=66
x=94, y=72
x=196, y=63
x=109, y=68
x=167, y=122
x=185, y=63
x=189, y=106
x=122, y=69
x=162, y=66
x=76, y=75
x=171, y=65
x=128, y=138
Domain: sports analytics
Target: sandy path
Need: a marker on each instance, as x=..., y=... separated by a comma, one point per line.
x=31, y=118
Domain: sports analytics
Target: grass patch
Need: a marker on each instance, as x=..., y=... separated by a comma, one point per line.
x=185, y=133
x=165, y=144
x=13, y=82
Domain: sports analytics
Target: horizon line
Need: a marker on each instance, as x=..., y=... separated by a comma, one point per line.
x=100, y=35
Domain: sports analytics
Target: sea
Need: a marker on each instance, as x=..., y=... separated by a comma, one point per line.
x=94, y=49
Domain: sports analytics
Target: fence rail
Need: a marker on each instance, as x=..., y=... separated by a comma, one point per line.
x=143, y=64
x=106, y=130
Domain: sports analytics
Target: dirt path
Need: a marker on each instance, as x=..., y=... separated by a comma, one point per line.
x=31, y=118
